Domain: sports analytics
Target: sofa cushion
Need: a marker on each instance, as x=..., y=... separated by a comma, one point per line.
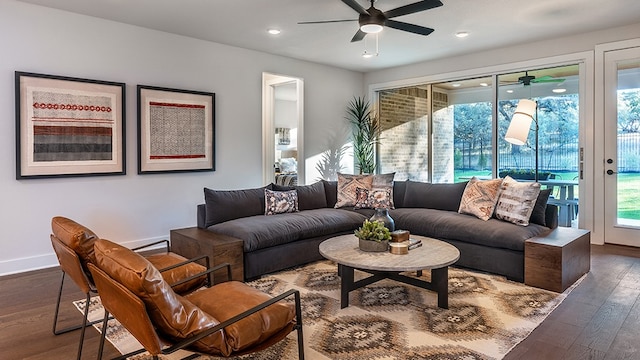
x=433, y=196
x=331, y=191
x=223, y=205
x=399, y=188
x=449, y=225
x=347, y=185
x=265, y=231
x=516, y=201
x=280, y=202
x=538, y=215
x=480, y=197
x=309, y=196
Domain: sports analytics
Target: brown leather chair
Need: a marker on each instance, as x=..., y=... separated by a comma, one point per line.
x=230, y=318
x=73, y=245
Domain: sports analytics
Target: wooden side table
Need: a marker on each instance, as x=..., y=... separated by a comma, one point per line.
x=192, y=242
x=555, y=261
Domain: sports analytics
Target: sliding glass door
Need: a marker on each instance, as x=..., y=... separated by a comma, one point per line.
x=555, y=154
x=451, y=131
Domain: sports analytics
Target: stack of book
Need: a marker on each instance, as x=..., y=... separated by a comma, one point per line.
x=414, y=243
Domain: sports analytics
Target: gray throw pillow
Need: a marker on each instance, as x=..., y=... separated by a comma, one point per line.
x=433, y=196
x=309, y=196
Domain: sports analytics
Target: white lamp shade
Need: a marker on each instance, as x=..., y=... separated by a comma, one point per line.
x=527, y=107
x=518, y=130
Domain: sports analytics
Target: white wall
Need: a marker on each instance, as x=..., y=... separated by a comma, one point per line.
x=506, y=55
x=136, y=208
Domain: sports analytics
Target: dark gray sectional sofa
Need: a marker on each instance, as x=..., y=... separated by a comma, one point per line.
x=277, y=242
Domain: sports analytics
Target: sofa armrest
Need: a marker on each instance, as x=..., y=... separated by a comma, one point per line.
x=201, y=219
x=551, y=216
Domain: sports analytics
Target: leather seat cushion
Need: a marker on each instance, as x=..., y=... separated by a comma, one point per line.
x=226, y=300
x=161, y=261
x=173, y=315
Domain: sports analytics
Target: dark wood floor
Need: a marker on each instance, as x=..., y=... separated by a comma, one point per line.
x=600, y=319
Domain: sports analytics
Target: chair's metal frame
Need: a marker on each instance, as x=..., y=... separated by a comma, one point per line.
x=84, y=282
x=186, y=342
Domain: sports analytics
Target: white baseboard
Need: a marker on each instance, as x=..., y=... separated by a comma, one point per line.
x=20, y=265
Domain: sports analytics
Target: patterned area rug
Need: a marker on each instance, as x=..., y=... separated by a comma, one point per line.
x=487, y=317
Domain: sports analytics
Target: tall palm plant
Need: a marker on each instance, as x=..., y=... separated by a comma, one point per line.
x=366, y=134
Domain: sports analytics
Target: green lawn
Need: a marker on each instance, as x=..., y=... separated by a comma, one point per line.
x=628, y=189
x=629, y=196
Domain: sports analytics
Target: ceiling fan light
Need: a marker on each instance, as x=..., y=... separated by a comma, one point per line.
x=371, y=28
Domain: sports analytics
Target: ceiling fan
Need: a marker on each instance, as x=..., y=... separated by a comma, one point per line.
x=527, y=79
x=372, y=20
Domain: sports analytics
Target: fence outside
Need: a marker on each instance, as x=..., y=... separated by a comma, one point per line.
x=555, y=155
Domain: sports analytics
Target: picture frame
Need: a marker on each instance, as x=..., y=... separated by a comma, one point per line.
x=68, y=126
x=176, y=130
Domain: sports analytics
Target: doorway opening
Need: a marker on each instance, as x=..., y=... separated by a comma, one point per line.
x=282, y=130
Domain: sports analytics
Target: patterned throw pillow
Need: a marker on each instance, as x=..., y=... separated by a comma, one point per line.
x=279, y=202
x=516, y=201
x=347, y=186
x=480, y=197
x=384, y=182
x=373, y=199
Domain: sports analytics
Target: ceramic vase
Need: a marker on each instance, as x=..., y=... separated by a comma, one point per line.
x=382, y=214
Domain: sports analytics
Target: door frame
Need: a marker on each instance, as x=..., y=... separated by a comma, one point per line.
x=269, y=81
x=600, y=112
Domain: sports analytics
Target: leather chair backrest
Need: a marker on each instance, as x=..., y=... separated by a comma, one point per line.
x=71, y=265
x=77, y=237
x=128, y=309
x=174, y=316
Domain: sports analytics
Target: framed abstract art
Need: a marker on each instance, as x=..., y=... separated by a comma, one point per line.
x=176, y=130
x=68, y=126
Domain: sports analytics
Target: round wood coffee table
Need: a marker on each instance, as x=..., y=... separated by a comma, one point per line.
x=434, y=255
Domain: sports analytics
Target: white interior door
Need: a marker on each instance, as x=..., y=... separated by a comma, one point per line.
x=622, y=146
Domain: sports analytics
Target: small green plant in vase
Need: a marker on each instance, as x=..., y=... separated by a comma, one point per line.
x=373, y=236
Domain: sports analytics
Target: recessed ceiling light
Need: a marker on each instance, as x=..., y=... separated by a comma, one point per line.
x=559, y=90
x=484, y=84
x=510, y=91
x=274, y=31
x=462, y=34
x=456, y=84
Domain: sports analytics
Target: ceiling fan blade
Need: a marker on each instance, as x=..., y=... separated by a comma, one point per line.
x=416, y=29
x=355, y=6
x=547, y=79
x=413, y=8
x=326, y=21
x=358, y=36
